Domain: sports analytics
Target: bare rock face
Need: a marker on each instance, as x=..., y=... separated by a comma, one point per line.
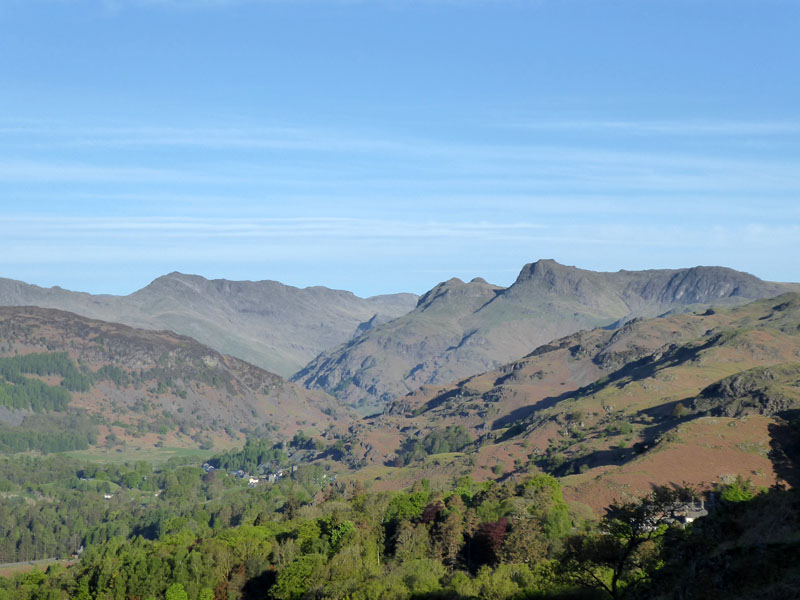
x=458, y=329
x=699, y=285
x=762, y=390
x=272, y=325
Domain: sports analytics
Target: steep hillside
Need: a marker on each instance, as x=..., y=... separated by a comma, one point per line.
x=692, y=397
x=272, y=325
x=462, y=328
x=58, y=369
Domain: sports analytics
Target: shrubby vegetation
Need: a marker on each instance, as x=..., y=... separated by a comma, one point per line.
x=23, y=393
x=14, y=440
x=452, y=438
x=32, y=394
x=256, y=452
x=55, y=432
x=113, y=373
x=739, y=490
x=47, y=363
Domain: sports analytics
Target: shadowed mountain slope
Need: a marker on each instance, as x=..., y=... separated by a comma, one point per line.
x=272, y=325
x=462, y=328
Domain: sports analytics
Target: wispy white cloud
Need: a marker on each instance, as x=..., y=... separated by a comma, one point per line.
x=254, y=228
x=337, y=229
x=31, y=171
x=386, y=162
x=327, y=240
x=47, y=135
x=694, y=127
x=214, y=138
x=194, y=5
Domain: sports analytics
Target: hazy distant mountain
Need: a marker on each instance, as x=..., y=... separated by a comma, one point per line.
x=272, y=325
x=458, y=328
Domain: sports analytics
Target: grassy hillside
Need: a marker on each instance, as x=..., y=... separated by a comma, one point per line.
x=690, y=397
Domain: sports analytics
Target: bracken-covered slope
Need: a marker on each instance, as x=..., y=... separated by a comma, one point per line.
x=272, y=325
x=694, y=397
x=462, y=328
x=143, y=386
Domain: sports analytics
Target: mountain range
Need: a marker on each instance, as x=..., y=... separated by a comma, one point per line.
x=611, y=381
x=272, y=325
x=459, y=328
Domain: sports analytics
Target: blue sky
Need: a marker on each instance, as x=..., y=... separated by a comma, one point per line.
x=386, y=145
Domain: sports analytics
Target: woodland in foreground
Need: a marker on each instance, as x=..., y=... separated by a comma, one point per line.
x=206, y=535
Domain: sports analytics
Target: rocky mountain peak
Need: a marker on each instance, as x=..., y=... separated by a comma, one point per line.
x=455, y=290
x=171, y=281
x=550, y=278
x=546, y=272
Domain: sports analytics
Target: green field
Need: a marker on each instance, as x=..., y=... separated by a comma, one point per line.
x=11, y=569
x=152, y=455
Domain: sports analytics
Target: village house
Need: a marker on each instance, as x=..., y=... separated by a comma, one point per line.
x=686, y=512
